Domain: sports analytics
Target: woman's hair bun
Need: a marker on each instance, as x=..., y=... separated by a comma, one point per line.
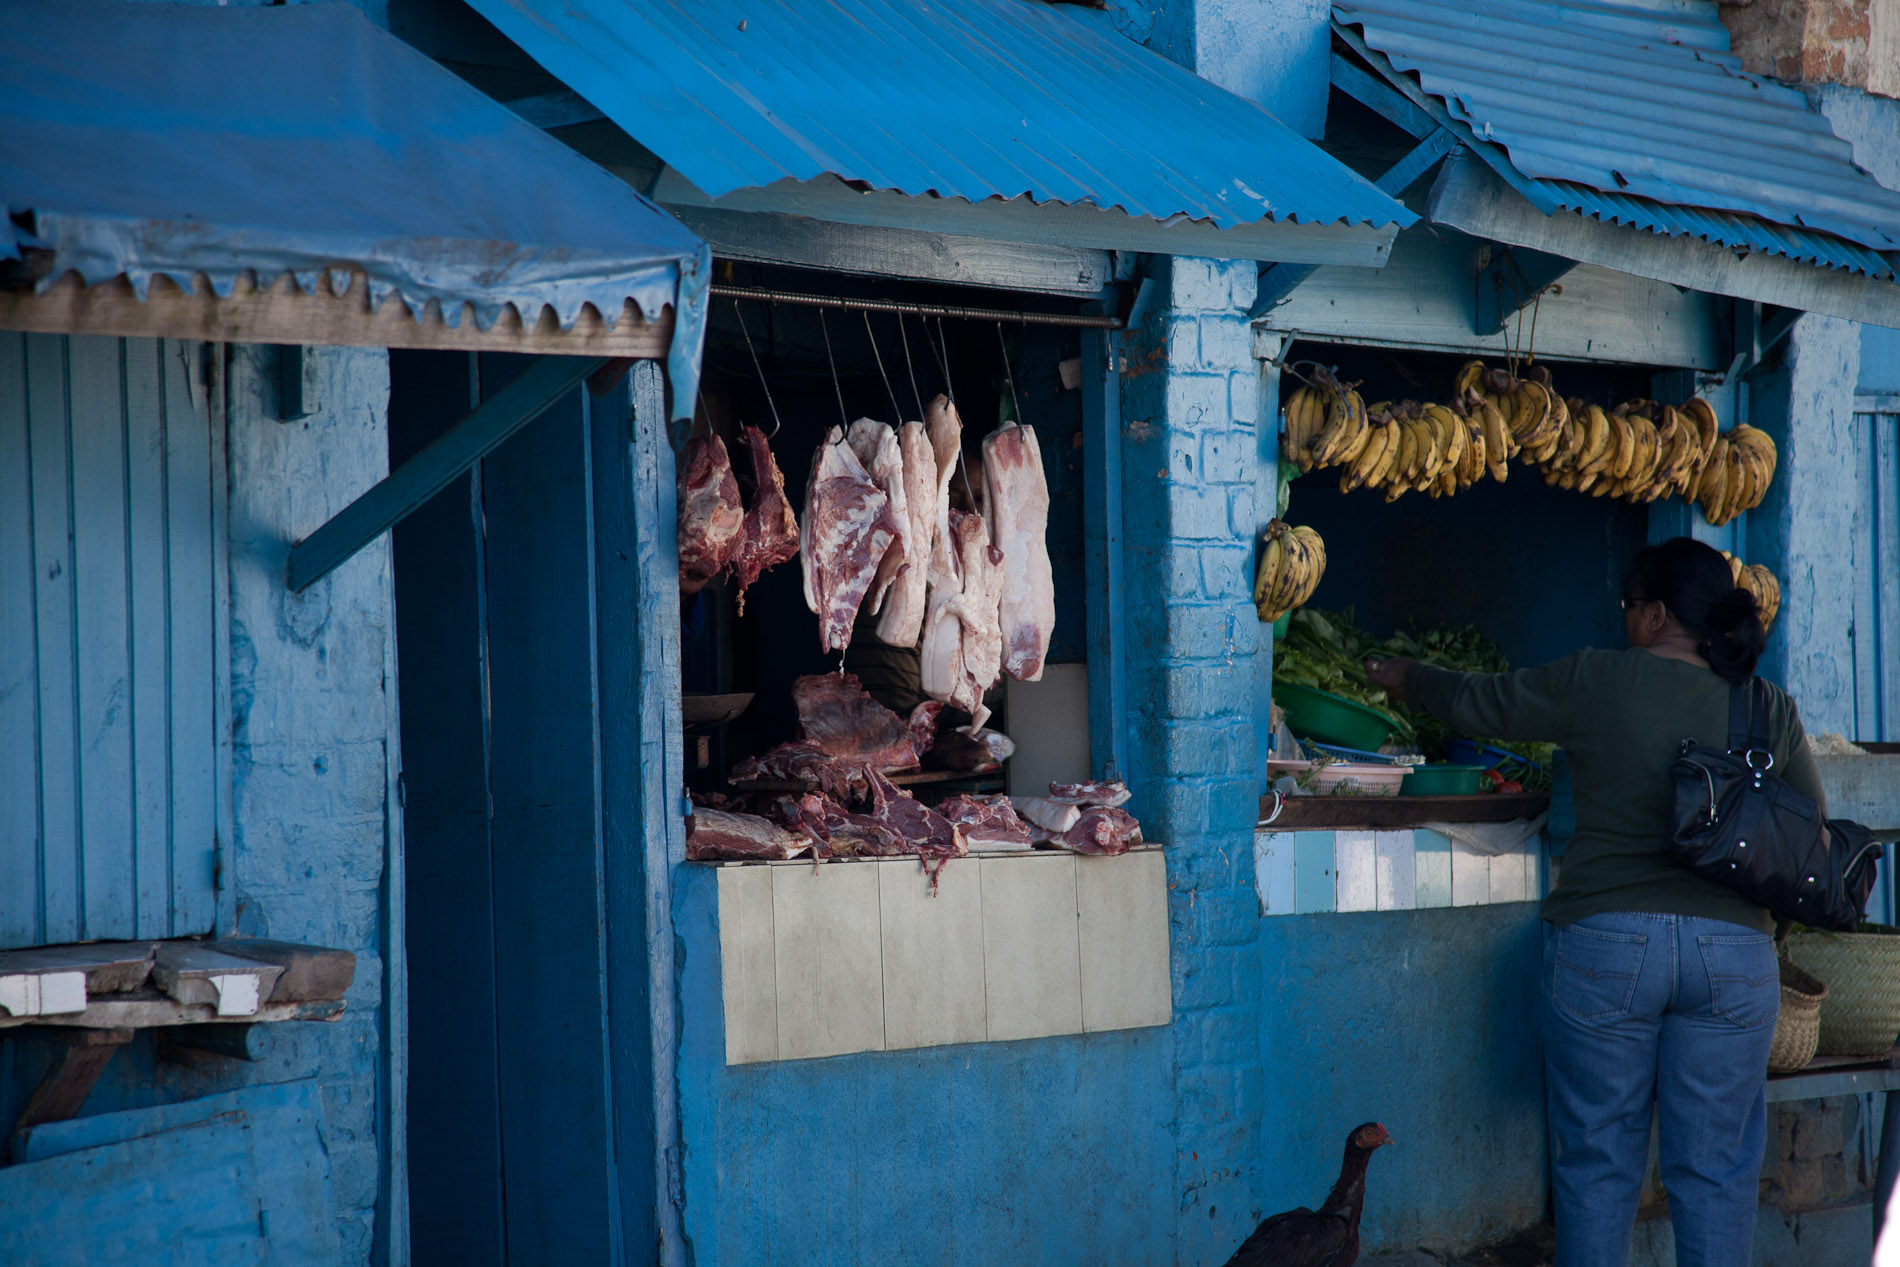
x=1693, y=581
x=1733, y=609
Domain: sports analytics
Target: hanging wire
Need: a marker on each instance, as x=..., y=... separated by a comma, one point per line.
x=835, y=384
x=942, y=357
x=1009, y=375
x=897, y=412
x=910, y=365
x=763, y=386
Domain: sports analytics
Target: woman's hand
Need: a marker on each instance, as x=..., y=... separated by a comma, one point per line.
x=1389, y=673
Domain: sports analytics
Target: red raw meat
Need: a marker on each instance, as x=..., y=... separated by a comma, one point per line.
x=848, y=528
x=927, y=830
x=836, y=714
x=770, y=536
x=1101, y=831
x=987, y=822
x=711, y=520
x=1110, y=795
x=801, y=761
x=714, y=833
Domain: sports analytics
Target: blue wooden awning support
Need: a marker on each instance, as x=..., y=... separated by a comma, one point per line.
x=1512, y=281
x=411, y=485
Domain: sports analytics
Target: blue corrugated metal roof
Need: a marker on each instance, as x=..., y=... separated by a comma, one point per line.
x=1634, y=112
x=171, y=140
x=975, y=99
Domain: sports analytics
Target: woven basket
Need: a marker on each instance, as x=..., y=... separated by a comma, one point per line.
x=1798, y=1025
x=1861, y=1014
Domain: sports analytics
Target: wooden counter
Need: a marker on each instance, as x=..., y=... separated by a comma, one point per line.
x=1326, y=813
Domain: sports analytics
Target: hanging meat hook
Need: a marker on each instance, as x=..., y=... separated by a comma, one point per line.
x=836, y=385
x=897, y=412
x=760, y=369
x=910, y=364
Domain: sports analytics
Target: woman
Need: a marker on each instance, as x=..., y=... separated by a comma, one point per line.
x=1660, y=987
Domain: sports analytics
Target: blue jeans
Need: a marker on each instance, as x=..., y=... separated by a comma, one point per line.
x=1671, y=1013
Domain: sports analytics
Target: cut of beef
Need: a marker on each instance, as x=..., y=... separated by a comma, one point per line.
x=835, y=713
x=1019, y=506
x=711, y=520
x=987, y=822
x=770, y=536
x=1101, y=831
x=849, y=835
x=717, y=834
x=1110, y=795
x=928, y=831
x=801, y=761
x=847, y=528
x=975, y=752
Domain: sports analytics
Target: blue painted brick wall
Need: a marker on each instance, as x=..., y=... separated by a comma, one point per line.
x=1188, y=408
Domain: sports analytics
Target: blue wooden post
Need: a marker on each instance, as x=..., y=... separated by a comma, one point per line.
x=1102, y=530
x=1269, y=347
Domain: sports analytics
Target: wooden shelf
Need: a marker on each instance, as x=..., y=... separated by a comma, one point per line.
x=1329, y=812
x=990, y=779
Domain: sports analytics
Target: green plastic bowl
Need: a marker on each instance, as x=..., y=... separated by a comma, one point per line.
x=1330, y=718
x=1443, y=780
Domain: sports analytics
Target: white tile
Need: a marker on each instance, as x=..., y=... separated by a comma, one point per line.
x=747, y=977
x=933, y=954
x=1031, y=951
x=1355, y=866
x=1123, y=908
x=1273, y=854
x=1397, y=870
x=826, y=936
x=1511, y=876
x=1470, y=876
x=1431, y=859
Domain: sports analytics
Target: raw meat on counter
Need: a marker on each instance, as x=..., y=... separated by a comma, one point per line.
x=836, y=832
x=801, y=761
x=901, y=622
x=711, y=519
x=1106, y=794
x=929, y=833
x=987, y=822
x=877, y=447
x=1101, y=830
x=842, y=731
x=770, y=534
x=1048, y=818
x=972, y=751
x=848, y=526
x=716, y=834
x=1019, y=511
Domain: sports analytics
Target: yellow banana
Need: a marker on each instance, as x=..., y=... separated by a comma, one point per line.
x=1272, y=558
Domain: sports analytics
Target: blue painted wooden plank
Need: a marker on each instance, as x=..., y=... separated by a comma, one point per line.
x=49, y=435
x=1886, y=517
x=1266, y=503
x=19, y=669
x=292, y=1164
x=1314, y=887
x=430, y=471
x=193, y=474
x=149, y=701
x=102, y=637
x=1102, y=553
x=1377, y=96
x=184, y=1198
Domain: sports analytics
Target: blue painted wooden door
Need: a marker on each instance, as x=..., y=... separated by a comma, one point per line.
x=110, y=477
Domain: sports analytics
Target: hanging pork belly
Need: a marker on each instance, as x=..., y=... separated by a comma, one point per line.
x=711, y=518
x=901, y=622
x=878, y=449
x=1019, y=510
x=847, y=529
x=770, y=534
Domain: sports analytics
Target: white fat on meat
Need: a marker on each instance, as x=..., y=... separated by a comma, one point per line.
x=1019, y=509
x=941, y=656
x=878, y=449
x=846, y=528
x=945, y=428
x=1048, y=818
x=976, y=610
x=902, y=621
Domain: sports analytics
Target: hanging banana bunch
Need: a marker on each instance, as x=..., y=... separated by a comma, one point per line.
x=1760, y=582
x=1292, y=560
x=1326, y=424
x=1737, y=475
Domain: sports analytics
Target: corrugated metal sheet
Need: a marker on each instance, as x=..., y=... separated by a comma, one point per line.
x=975, y=99
x=1637, y=114
x=170, y=140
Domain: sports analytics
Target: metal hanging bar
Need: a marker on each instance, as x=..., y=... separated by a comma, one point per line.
x=918, y=310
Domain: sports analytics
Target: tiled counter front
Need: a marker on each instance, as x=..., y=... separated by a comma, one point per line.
x=1314, y=872
x=859, y=956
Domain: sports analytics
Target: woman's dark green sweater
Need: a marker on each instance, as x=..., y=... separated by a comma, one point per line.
x=1619, y=716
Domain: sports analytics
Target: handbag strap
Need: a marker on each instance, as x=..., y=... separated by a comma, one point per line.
x=1747, y=723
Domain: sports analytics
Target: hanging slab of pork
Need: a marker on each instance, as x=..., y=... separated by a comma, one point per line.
x=978, y=610
x=877, y=446
x=711, y=518
x=1101, y=830
x=987, y=822
x=770, y=535
x=848, y=526
x=945, y=428
x=718, y=834
x=902, y=622
x=941, y=667
x=1019, y=506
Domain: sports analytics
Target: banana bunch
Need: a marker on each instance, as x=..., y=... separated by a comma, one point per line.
x=1760, y=582
x=1737, y=474
x=1533, y=413
x=1326, y=424
x=1291, y=562
x=1435, y=449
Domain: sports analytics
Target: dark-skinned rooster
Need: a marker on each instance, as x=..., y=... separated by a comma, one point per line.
x=1328, y=1236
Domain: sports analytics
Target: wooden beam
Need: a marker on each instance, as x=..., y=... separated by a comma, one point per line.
x=1046, y=224
x=1513, y=279
x=1380, y=97
x=284, y=314
x=1472, y=199
x=555, y=109
x=148, y=1009
x=83, y=1056
x=430, y=471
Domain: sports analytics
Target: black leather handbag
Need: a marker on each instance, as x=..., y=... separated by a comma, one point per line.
x=1737, y=823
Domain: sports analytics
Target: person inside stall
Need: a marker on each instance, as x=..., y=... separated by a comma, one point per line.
x=1660, y=988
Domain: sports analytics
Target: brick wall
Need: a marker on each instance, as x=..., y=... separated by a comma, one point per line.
x=1851, y=42
x=1189, y=399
